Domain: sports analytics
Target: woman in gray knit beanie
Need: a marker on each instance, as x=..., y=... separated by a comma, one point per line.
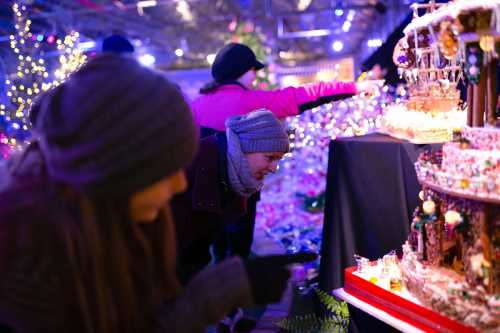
x=255, y=143
x=226, y=171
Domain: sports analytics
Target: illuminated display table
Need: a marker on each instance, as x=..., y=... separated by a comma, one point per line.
x=398, y=309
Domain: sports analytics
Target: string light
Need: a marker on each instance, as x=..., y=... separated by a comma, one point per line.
x=303, y=4
x=375, y=42
x=211, y=58
x=71, y=61
x=183, y=9
x=31, y=74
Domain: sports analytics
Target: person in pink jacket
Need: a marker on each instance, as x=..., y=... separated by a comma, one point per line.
x=231, y=93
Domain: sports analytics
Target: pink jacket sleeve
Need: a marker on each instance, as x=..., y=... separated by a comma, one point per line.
x=286, y=102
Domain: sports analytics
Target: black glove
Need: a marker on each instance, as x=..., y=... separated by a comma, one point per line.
x=269, y=275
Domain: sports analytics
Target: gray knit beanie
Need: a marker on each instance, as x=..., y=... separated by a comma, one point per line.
x=114, y=128
x=259, y=131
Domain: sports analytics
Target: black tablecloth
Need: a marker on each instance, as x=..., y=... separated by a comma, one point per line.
x=371, y=192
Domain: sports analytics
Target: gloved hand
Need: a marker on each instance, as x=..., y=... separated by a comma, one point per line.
x=269, y=275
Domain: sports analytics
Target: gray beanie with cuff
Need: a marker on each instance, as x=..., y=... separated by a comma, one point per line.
x=259, y=131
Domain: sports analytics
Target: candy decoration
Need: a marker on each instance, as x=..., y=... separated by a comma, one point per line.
x=473, y=61
x=448, y=41
x=487, y=43
x=429, y=207
x=402, y=56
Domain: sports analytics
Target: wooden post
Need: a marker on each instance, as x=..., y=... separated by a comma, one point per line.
x=485, y=219
x=441, y=236
x=491, y=92
x=433, y=248
x=470, y=103
x=460, y=249
x=479, y=100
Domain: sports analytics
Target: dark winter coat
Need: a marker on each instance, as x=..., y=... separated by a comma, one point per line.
x=203, y=211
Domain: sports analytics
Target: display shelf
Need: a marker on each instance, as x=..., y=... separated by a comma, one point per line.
x=376, y=312
x=395, y=309
x=459, y=194
x=416, y=141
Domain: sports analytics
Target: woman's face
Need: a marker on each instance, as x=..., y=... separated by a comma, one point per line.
x=146, y=204
x=262, y=164
x=247, y=79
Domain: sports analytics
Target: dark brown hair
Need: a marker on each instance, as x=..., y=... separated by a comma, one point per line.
x=112, y=273
x=214, y=85
x=209, y=87
x=129, y=268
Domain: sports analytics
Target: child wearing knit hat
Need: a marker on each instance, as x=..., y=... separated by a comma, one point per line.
x=87, y=241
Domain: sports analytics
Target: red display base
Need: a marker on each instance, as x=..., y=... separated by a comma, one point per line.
x=398, y=307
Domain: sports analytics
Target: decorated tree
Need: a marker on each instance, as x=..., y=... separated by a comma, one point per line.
x=31, y=77
x=71, y=59
x=26, y=82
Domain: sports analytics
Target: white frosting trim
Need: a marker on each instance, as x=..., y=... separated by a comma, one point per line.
x=453, y=148
x=453, y=10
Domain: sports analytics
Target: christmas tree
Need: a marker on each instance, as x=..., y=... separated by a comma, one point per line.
x=28, y=80
x=246, y=33
x=31, y=77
